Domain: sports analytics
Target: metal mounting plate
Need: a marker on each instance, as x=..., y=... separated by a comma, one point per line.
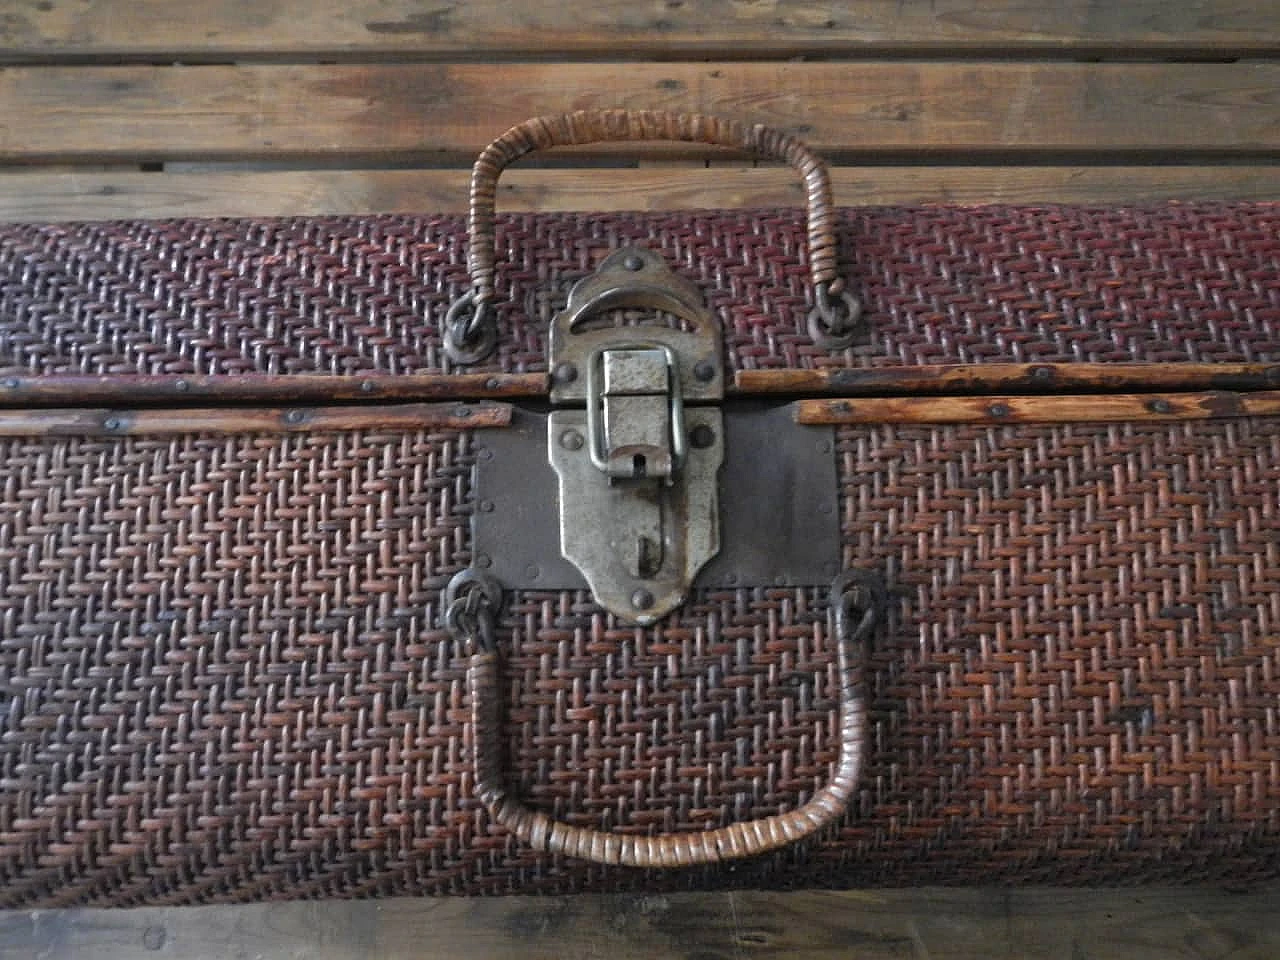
x=779, y=505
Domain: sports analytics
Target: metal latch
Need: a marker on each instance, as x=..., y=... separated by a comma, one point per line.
x=639, y=442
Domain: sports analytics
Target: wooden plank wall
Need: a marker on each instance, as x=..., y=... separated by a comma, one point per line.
x=151, y=108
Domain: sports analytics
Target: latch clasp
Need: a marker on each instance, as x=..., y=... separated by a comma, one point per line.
x=639, y=513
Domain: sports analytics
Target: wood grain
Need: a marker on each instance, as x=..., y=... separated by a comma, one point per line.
x=1031, y=924
x=114, y=114
x=988, y=378
x=171, y=390
x=228, y=420
x=79, y=196
x=608, y=28
x=997, y=410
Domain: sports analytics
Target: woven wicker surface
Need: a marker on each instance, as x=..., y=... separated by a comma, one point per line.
x=223, y=679
x=1169, y=283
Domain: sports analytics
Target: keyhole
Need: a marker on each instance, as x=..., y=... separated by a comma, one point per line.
x=639, y=468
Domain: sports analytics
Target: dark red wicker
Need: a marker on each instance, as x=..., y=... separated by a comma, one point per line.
x=222, y=675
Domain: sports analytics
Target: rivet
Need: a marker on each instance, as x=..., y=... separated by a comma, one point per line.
x=998, y=410
x=633, y=262
x=462, y=413
x=642, y=599
x=493, y=383
x=112, y=423
x=1160, y=406
x=571, y=440
x=368, y=386
x=704, y=370
x=486, y=506
x=532, y=571
x=294, y=416
x=182, y=386
x=484, y=560
x=484, y=454
x=780, y=581
x=1043, y=374
x=12, y=383
x=564, y=373
x=702, y=436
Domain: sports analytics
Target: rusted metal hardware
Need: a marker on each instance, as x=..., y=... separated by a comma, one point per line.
x=637, y=464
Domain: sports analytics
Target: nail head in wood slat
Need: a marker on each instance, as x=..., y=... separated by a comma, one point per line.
x=107, y=28
x=1010, y=410
x=97, y=114
x=126, y=423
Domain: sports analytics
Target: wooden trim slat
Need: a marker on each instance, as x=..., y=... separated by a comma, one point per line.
x=1009, y=410
x=117, y=114
x=102, y=196
x=229, y=420
x=604, y=28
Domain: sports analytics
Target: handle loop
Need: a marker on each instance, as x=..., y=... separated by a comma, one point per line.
x=857, y=607
x=467, y=332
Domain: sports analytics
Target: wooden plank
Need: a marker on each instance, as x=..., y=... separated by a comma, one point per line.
x=1030, y=924
x=78, y=196
x=609, y=28
x=1118, y=408
x=117, y=114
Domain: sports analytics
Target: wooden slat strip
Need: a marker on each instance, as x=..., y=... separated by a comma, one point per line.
x=113, y=114
x=144, y=389
x=78, y=196
x=988, y=378
x=604, y=28
x=124, y=423
x=1007, y=410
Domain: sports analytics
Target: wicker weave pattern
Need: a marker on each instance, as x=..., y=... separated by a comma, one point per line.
x=222, y=678
x=351, y=295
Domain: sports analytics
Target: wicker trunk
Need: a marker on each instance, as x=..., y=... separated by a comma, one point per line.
x=239, y=470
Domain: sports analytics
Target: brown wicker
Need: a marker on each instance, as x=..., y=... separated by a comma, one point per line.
x=224, y=677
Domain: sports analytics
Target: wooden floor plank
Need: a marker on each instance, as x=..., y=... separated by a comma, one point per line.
x=52, y=197
x=118, y=114
x=721, y=28
x=957, y=924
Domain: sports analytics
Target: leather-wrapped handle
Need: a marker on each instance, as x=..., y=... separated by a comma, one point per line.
x=738, y=840
x=470, y=333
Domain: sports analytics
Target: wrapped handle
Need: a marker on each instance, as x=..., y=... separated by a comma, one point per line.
x=469, y=332
x=858, y=601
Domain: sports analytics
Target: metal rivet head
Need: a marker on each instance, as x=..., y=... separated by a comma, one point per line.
x=295, y=416
x=702, y=436
x=998, y=410
x=705, y=371
x=182, y=386
x=564, y=373
x=484, y=454
x=642, y=599
x=12, y=383
x=367, y=386
x=532, y=572
x=486, y=506
x=572, y=440
x=462, y=413
x=1160, y=406
x=633, y=262
x=112, y=423
x=493, y=383
x=1042, y=374
x=484, y=560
